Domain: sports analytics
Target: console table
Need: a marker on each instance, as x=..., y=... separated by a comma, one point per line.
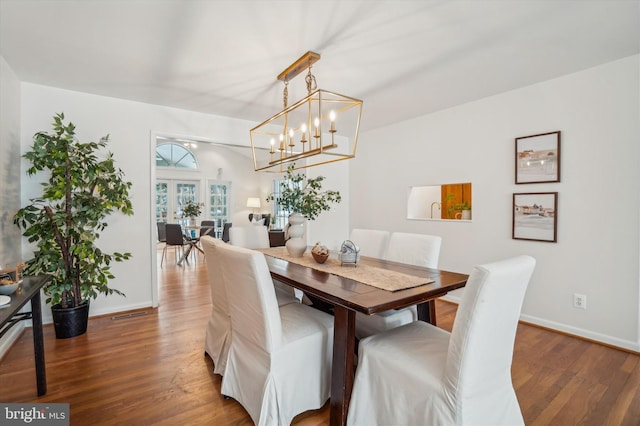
x=29, y=291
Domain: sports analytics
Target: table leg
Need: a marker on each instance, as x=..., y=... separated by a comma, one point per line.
x=342, y=374
x=38, y=344
x=185, y=254
x=198, y=248
x=427, y=311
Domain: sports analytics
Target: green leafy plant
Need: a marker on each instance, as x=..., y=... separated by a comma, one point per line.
x=452, y=209
x=192, y=209
x=305, y=196
x=67, y=219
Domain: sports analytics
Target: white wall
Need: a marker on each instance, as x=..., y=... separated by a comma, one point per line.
x=10, y=238
x=132, y=127
x=331, y=227
x=597, y=253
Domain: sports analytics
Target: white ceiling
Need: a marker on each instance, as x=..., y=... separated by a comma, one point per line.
x=402, y=58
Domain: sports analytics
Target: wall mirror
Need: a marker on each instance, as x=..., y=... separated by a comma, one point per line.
x=450, y=201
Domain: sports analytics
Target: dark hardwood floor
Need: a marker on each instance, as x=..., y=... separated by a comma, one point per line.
x=151, y=369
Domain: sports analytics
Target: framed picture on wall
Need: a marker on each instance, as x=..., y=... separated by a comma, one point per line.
x=538, y=158
x=535, y=216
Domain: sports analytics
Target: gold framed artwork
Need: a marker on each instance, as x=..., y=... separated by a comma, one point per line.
x=535, y=216
x=538, y=158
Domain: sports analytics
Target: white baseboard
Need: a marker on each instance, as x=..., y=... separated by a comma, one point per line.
x=568, y=329
x=120, y=309
x=48, y=319
x=9, y=339
x=579, y=332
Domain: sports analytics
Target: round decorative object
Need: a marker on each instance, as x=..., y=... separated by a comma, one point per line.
x=8, y=289
x=296, y=245
x=320, y=258
x=320, y=253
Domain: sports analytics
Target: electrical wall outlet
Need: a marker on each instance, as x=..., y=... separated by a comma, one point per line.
x=579, y=301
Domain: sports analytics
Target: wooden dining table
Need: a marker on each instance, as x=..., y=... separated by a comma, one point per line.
x=348, y=296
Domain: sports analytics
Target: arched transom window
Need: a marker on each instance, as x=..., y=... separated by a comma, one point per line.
x=175, y=155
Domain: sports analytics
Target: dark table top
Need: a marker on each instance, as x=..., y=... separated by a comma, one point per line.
x=24, y=293
x=361, y=297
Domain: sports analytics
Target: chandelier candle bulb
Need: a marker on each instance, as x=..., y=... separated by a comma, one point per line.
x=303, y=129
x=273, y=142
x=281, y=142
x=291, y=141
x=332, y=117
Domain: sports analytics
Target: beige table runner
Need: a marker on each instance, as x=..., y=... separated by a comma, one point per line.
x=370, y=275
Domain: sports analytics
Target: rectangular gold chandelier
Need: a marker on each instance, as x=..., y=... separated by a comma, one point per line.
x=318, y=129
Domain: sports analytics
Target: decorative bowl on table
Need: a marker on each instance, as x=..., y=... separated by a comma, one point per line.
x=320, y=253
x=7, y=285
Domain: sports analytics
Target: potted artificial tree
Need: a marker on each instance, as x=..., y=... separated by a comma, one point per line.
x=82, y=189
x=304, y=199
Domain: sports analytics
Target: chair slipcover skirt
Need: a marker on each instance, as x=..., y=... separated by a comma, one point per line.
x=274, y=388
x=419, y=353
x=418, y=374
x=218, y=333
x=279, y=361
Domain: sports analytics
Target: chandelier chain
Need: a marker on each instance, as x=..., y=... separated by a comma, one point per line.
x=310, y=79
x=285, y=94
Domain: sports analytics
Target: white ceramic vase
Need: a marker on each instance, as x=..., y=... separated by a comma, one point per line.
x=296, y=244
x=464, y=215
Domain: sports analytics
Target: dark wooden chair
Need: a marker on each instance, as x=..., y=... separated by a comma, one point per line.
x=207, y=227
x=174, y=238
x=162, y=231
x=225, y=232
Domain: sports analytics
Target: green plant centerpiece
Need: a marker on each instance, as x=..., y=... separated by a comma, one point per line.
x=83, y=188
x=191, y=209
x=305, y=196
x=302, y=198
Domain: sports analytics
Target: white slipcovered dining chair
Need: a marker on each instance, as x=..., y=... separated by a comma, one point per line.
x=218, y=333
x=418, y=374
x=279, y=362
x=372, y=242
x=251, y=237
x=414, y=249
x=257, y=237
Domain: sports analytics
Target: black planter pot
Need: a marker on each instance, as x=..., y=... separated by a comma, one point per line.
x=70, y=322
